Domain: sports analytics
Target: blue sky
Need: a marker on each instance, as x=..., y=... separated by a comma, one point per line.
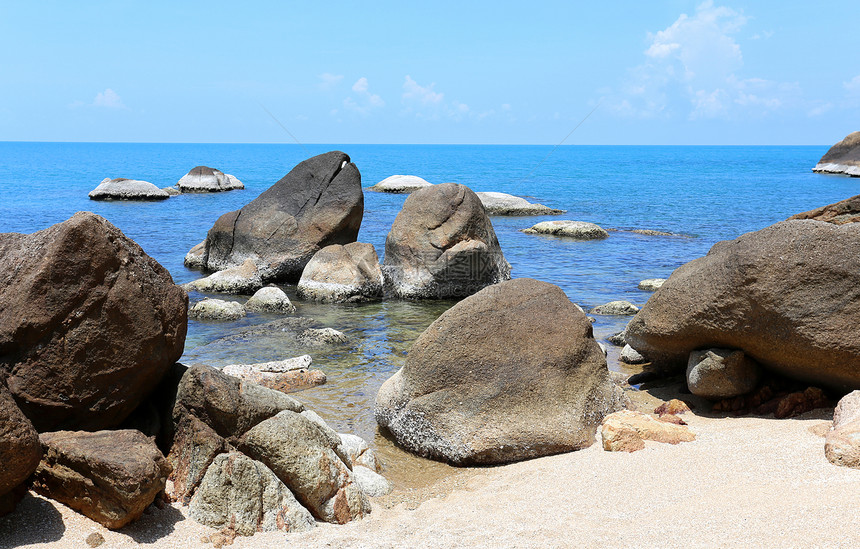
x=659, y=72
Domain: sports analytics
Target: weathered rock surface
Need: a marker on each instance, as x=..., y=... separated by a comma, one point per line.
x=320, y=337
x=244, y=279
x=721, y=373
x=651, y=284
x=216, y=309
x=442, y=245
x=840, y=213
x=89, y=323
x=842, y=158
x=303, y=455
x=270, y=300
x=627, y=431
x=204, y=179
x=400, y=184
x=372, y=483
x=510, y=373
x=287, y=376
x=842, y=444
x=631, y=355
x=618, y=308
x=171, y=191
x=580, y=230
x=508, y=204
x=319, y=203
x=20, y=450
x=358, y=452
x=109, y=476
x=195, y=258
x=787, y=295
x=127, y=189
x=244, y=495
x=340, y=274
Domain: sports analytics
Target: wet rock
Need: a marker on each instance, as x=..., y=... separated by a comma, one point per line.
x=319, y=203
x=627, y=431
x=109, y=476
x=630, y=355
x=788, y=295
x=442, y=245
x=216, y=309
x=270, y=300
x=89, y=324
x=127, y=189
x=651, y=284
x=579, y=230
x=204, y=179
x=320, y=337
x=506, y=204
x=339, y=274
x=287, y=376
x=843, y=158
x=20, y=450
x=467, y=395
x=400, y=184
x=615, y=308
x=617, y=339
x=302, y=455
x=721, y=373
x=244, y=279
x=246, y=496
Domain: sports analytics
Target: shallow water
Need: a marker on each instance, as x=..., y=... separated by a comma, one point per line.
x=706, y=194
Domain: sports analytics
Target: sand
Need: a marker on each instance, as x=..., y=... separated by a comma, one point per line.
x=745, y=482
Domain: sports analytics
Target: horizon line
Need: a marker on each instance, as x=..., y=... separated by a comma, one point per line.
x=411, y=144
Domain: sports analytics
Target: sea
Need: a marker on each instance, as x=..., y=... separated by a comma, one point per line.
x=699, y=194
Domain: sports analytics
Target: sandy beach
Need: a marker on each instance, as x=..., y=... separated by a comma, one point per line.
x=745, y=482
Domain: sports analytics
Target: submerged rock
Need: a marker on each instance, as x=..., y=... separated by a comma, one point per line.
x=204, y=179
x=510, y=373
x=270, y=299
x=339, y=274
x=507, y=204
x=244, y=279
x=843, y=158
x=442, y=245
x=400, y=184
x=127, y=189
x=216, y=309
x=319, y=203
x=579, y=230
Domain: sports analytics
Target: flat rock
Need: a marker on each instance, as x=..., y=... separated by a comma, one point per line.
x=89, y=324
x=442, y=245
x=579, y=230
x=400, y=184
x=127, y=189
x=843, y=158
x=342, y=273
x=204, y=179
x=216, y=309
x=716, y=374
x=270, y=300
x=467, y=395
x=651, y=284
x=627, y=431
x=20, y=450
x=109, y=476
x=617, y=308
x=287, y=376
x=244, y=279
x=508, y=204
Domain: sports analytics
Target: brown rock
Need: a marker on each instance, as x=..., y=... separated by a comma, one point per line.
x=442, y=245
x=842, y=158
x=510, y=373
x=788, y=296
x=839, y=213
x=627, y=431
x=109, y=476
x=798, y=403
x=672, y=407
x=842, y=445
x=20, y=450
x=319, y=203
x=847, y=410
x=88, y=323
x=95, y=539
x=338, y=274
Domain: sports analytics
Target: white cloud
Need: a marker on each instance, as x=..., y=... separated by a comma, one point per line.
x=363, y=102
x=852, y=86
x=424, y=95
x=108, y=99
x=329, y=81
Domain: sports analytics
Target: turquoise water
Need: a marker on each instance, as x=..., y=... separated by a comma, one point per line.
x=704, y=193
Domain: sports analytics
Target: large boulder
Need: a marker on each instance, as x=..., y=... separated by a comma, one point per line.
x=89, y=323
x=320, y=202
x=788, y=296
x=400, y=184
x=508, y=204
x=844, y=211
x=442, y=245
x=204, y=179
x=109, y=476
x=842, y=158
x=127, y=189
x=20, y=450
x=338, y=274
x=510, y=373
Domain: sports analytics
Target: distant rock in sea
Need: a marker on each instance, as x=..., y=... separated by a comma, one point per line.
x=400, y=184
x=840, y=213
x=203, y=179
x=843, y=158
x=127, y=189
x=508, y=204
x=579, y=230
